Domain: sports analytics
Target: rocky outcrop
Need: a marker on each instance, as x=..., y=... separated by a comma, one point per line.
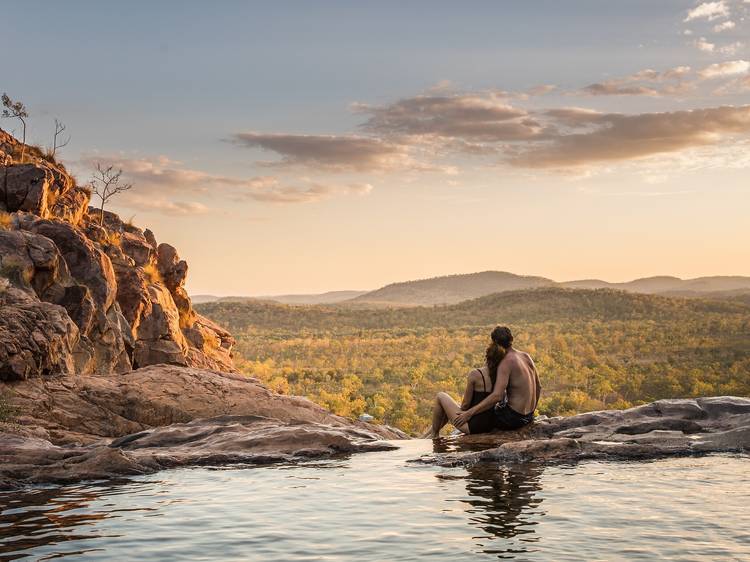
x=78, y=427
x=123, y=291
x=659, y=429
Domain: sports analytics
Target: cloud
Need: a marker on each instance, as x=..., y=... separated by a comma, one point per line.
x=724, y=26
x=161, y=184
x=165, y=175
x=279, y=193
x=618, y=137
x=735, y=86
x=723, y=69
x=336, y=152
x=704, y=45
x=477, y=117
x=647, y=82
x=732, y=48
x=163, y=206
x=614, y=88
x=541, y=90
x=709, y=11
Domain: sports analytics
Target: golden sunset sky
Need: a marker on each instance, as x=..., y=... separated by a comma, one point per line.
x=311, y=146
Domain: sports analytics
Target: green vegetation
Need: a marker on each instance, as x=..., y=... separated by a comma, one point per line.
x=594, y=349
x=7, y=411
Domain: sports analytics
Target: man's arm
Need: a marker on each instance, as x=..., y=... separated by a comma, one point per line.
x=498, y=391
x=536, y=379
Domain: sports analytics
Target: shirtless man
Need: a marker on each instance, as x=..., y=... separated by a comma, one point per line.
x=516, y=392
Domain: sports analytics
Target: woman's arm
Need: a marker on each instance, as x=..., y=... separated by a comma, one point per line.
x=498, y=391
x=469, y=392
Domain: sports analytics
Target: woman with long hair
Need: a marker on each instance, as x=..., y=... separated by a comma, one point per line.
x=479, y=385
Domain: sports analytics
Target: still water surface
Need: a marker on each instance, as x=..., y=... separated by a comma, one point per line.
x=377, y=506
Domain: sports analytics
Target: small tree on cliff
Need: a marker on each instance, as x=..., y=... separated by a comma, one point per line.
x=59, y=129
x=17, y=110
x=105, y=183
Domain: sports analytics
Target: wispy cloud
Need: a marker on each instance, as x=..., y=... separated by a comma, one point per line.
x=166, y=186
x=724, y=69
x=724, y=26
x=618, y=137
x=709, y=11
x=337, y=152
x=162, y=205
x=478, y=117
x=705, y=45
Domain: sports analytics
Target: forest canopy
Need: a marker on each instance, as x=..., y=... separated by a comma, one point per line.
x=594, y=349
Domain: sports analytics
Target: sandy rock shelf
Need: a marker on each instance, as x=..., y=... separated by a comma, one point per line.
x=660, y=429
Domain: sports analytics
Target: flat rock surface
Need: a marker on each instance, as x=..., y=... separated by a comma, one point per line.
x=83, y=427
x=223, y=440
x=659, y=429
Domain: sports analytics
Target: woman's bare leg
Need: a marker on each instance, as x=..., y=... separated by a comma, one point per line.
x=445, y=410
x=439, y=419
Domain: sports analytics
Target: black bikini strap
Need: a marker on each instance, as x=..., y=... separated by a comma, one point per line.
x=481, y=374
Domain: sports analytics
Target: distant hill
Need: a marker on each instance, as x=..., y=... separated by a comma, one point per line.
x=547, y=304
x=198, y=299
x=452, y=289
x=667, y=284
x=331, y=297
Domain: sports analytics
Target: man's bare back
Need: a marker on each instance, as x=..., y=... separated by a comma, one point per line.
x=516, y=391
x=522, y=392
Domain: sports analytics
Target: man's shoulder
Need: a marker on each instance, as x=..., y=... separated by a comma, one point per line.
x=519, y=357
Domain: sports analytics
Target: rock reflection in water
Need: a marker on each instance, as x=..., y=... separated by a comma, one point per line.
x=38, y=517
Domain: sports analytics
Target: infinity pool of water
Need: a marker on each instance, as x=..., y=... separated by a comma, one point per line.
x=379, y=507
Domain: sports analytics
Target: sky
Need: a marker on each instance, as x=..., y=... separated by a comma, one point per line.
x=293, y=147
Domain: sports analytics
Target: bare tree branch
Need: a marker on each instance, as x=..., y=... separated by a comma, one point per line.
x=105, y=184
x=59, y=129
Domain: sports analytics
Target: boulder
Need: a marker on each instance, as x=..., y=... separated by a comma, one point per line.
x=150, y=238
x=33, y=263
x=71, y=205
x=25, y=187
x=36, y=338
x=136, y=246
x=132, y=293
x=172, y=269
x=211, y=345
x=159, y=338
x=86, y=263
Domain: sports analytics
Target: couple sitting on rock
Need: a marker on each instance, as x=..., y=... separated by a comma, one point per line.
x=496, y=394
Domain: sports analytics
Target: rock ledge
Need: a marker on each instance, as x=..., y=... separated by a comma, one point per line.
x=663, y=428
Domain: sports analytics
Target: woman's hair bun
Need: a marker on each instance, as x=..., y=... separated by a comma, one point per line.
x=502, y=336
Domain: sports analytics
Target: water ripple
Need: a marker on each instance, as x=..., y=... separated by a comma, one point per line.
x=376, y=506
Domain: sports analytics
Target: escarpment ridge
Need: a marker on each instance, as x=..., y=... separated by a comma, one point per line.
x=87, y=293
